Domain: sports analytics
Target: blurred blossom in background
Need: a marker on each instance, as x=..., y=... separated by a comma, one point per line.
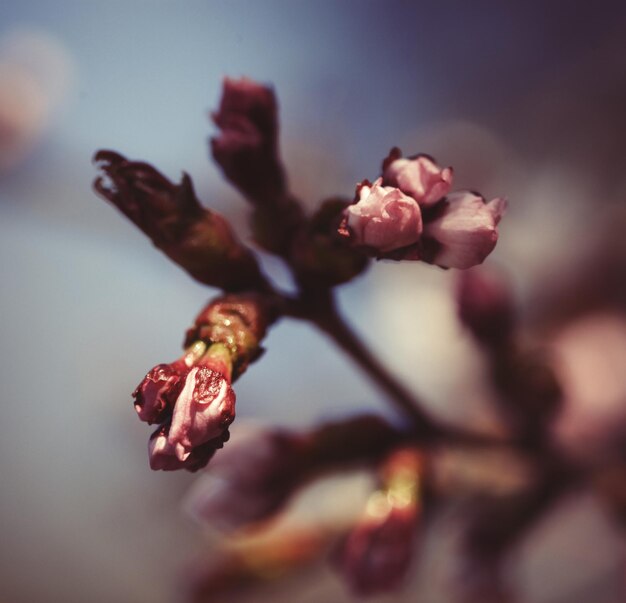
x=526, y=100
x=36, y=73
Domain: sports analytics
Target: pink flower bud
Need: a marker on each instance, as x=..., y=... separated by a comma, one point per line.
x=377, y=553
x=250, y=481
x=464, y=229
x=156, y=395
x=247, y=145
x=384, y=218
x=204, y=409
x=163, y=455
x=420, y=177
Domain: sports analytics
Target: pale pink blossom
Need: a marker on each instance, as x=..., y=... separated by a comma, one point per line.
x=384, y=218
x=420, y=178
x=464, y=229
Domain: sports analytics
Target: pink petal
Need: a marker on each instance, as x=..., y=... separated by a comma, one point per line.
x=203, y=410
x=384, y=218
x=163, y=455
x=420, y=178
x=465, y=229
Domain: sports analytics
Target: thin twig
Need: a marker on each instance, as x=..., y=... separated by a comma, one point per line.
x=318, y=308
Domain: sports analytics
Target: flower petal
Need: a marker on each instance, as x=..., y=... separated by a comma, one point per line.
x=156, y=394
x=384, y=218
x=420, y=178
x=204, y=409
x=163, y=455
x=465, y=229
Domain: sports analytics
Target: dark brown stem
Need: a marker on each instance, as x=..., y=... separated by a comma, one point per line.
x=318, y=307
x=348, y=341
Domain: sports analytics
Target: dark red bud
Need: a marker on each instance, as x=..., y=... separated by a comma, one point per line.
x=156, y=395
x=247, y=147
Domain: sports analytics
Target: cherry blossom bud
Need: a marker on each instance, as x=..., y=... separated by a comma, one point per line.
x=462, y=232
x=247, y=146
x=194, y=402
x=383, y=218
x=377, y=553
x=419, y=177
x=485, y=305
x=163, y=456
x=251, y=480
x=200, y=241
x=156, y=395
x=204, y=409
x=247, y=151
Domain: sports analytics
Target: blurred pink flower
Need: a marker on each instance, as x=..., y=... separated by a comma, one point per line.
x=246, y=147
x=383, y=218
x=378, y=551
x=249, y=481
x=36, y=73
x=156, y=395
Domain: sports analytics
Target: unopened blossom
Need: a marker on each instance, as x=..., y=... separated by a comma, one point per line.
x=463, y=229
x=162, y=457
x=419, y=177
x=250, y=480
x=204, y=409
x=383, y=218
x=247, y=150
x=378, y=551
x=409, y=214
x=247, y=146
x=193, y=400
x=156, y=395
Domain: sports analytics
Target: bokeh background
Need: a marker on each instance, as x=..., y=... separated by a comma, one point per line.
x=524, y=99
